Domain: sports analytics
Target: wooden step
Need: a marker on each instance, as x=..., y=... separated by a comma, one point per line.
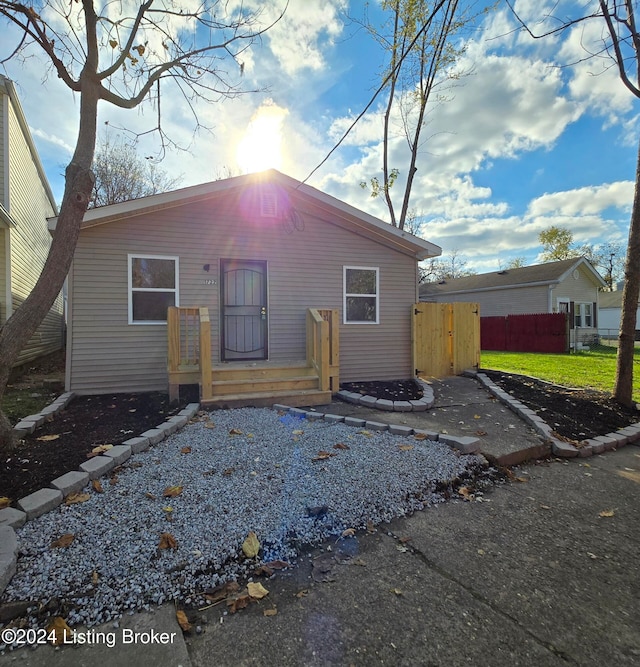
x=227, y=372
x=262, y=399
x=262, y=385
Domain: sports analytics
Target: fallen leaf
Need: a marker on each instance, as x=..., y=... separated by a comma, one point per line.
x=349, y=532
x=167, y=509
x=257, y=590
x=522, y=479
x=172, y=491
x=183, y=621
x=476, y=417
x=149, y=495
x=340, y=445
x=298, y=431
x=167, y=541
x=100, y=449
x=277, y=565
x=113, y=480
x=97, y=487
x=607, y=513
x=228, y=471
x=237, y=602
x=221, y=592
x=303, y=593
x=95, y=578
x=420, y=436
x=465, y=492
x=209, y=425
x=405, y=448
x=251, y=545
x=48, y=438
x=63, y=541
x=270, y=612
x=235, y=431
x=75, y=498
x=397, y=591
x=480, y=432
x=370, y=526
x=481, y=552
x=323, y=455
x=4, y=502
x=545, y=507
x=185, y=450
x=634, y=476
x=367, y=433
x=60, y=629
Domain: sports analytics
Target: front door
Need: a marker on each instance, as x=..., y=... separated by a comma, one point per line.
x=244, y=309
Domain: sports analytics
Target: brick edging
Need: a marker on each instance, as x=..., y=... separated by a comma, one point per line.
x=420, y=405
x=561, y=448
x=45, y=499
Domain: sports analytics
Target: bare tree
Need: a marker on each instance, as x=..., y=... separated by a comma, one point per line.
x=105, y=55
x=446, y=267
x=422, y=59
x=121, y=174
x=620, y=47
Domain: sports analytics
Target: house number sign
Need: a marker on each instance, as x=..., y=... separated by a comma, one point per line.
x=210, y=281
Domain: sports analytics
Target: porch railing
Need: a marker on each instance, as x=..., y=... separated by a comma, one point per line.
x=323, y=346
x=189, y=349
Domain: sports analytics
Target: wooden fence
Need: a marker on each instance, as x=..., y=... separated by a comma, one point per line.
x=445, y=338
x=542, y=332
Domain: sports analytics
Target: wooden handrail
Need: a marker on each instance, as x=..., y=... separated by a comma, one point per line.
x=323, y=346
x=189, y=349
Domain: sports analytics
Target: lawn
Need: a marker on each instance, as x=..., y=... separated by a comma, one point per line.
x=595, y=369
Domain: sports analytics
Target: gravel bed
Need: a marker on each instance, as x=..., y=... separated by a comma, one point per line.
x=247, y=470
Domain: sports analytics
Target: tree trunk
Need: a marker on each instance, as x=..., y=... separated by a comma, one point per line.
x=623, y=389
x=23, y=323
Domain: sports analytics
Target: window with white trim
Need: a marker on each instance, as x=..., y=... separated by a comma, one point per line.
x=361, y=286
x=153, y=287
x=584, y=314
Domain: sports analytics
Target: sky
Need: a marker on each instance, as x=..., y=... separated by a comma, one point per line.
x=532, y=134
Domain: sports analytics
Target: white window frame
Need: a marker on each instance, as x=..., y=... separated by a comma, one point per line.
x=584, y=310
x=131, y=289
x=345, y=294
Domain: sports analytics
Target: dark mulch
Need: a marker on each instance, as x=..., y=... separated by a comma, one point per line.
x=392, y=390
x=86, y=422
x=575, y=414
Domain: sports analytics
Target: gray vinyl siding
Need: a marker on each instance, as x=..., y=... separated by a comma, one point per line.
x=29, y=207
x=4, y=106
x=305, y=269
x=516, y=301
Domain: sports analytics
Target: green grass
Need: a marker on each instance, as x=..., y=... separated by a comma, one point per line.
x=595, y=369
x=18, y=403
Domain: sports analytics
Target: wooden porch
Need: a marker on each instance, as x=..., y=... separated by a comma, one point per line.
x=309, y=381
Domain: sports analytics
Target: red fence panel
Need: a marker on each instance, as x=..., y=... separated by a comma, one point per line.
x=540, y=332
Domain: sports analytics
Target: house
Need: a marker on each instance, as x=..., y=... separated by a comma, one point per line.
x=26, y=201
x=293, y=281
x=569, y=285
x=610, y=314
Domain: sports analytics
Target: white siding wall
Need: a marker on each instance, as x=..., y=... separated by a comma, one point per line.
x=29, y=207
x=4, y=233
x=304, y=270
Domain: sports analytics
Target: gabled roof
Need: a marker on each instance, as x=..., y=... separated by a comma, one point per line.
x=341, y=212
x=539, y=274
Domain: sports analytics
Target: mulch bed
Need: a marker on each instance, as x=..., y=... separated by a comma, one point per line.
x=575, y=414
x=62, y=444
x=393, y=390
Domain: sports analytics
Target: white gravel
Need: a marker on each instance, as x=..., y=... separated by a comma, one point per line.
x=262, y=479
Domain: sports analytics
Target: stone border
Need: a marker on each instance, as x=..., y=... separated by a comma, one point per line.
x=424, y=403
x=46, y=499
x=562, y=448
x=465, y=444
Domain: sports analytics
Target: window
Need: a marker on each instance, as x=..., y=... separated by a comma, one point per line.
x=584, y=315
x=153, y=287
x=361, y=295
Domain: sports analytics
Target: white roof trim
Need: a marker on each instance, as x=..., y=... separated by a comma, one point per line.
x=587, y=264
x=6, y=217
x=370, y=225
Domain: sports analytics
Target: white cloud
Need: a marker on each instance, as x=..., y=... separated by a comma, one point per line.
x=586, y=201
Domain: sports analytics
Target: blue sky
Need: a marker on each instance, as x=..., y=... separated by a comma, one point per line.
x=526, y=141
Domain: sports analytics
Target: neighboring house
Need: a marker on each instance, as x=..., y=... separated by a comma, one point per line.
x=26, y=201
x=258, y=251
x=570, y=285
x=610, y=314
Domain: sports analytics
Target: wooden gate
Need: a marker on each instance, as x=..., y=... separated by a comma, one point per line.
x=445, y=338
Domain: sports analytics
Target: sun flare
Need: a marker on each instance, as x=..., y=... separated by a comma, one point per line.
x=261, y=145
